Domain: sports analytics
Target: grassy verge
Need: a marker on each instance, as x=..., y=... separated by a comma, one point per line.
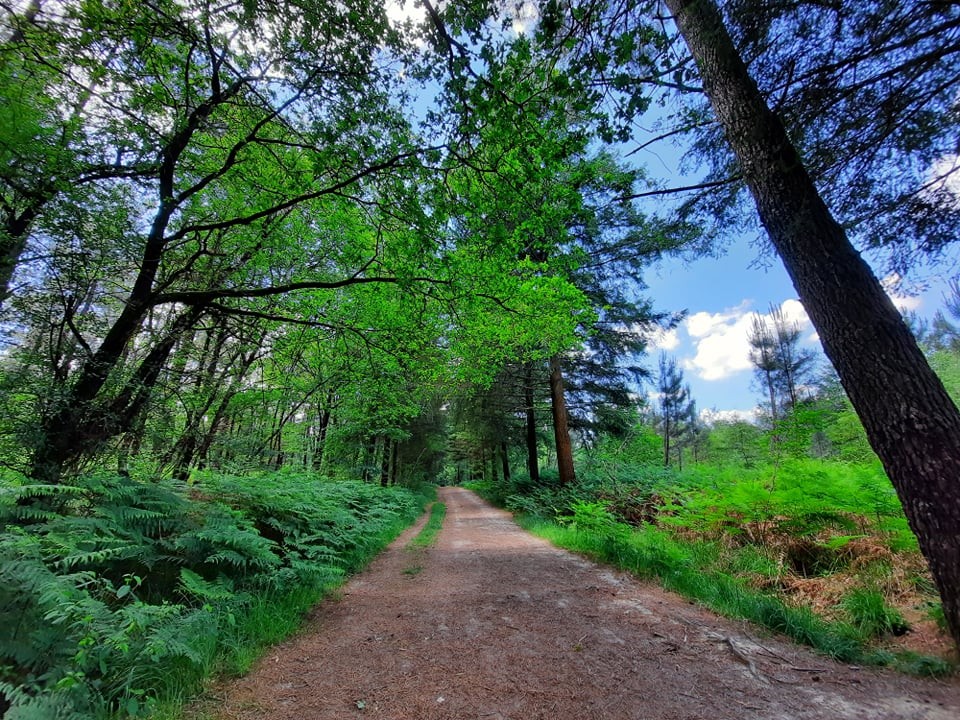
x=428, y=535
x=685, y=569
x=270, y=618
x=425, y=538
x=739, y=580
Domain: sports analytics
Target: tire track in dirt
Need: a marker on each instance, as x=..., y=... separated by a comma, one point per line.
x=499, y=624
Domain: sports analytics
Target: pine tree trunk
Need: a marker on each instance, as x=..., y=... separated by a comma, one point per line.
x=533, y=462
x=561, y=427
x=385, y=463
x=911, y=422
x=505, y=459
x=666, y=440
x=368, y=455
x=773, y=400
x=325, y=415
x=395, y=463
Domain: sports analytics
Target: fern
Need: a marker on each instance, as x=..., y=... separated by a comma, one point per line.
x=193, y=585
x=114, y=591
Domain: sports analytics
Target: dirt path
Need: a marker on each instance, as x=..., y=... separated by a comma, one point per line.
x=494, y=623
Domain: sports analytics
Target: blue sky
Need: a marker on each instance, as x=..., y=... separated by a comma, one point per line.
x=720, y=295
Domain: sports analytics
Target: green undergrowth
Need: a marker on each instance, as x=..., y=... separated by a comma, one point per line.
x=428, y=534
x=811, y=550
x=118, y=598
x=425, y=538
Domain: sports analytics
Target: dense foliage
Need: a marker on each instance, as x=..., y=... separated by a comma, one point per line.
x=116, y=594
x=264, y=264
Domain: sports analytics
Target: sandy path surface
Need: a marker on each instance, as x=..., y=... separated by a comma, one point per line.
x=494, y=623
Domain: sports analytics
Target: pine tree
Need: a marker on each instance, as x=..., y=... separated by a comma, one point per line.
x=676, y=405
x=911, y=421
x=763, y=355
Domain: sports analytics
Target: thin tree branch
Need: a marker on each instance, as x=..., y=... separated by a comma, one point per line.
x=688, y=188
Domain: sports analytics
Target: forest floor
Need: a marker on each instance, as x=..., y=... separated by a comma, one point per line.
x=493, y=623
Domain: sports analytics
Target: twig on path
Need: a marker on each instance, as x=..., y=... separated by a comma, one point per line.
x=742, y=656
x=790, y=665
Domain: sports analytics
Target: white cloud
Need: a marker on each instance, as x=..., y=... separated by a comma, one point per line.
x=526, y=15
x=794, y=312
x=661, y=339
x=712, y=416
x=703, y=324
x=399, y=11
x=522, y=16
x=905, y=302
x=944, y=174
x=721, y=339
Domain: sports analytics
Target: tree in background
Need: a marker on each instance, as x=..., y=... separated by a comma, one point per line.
x=795, y=363
x=763, y=355
x=558, y=215
x=781, y=365
x=677, y=408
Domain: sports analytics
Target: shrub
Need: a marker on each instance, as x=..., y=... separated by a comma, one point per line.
x=115, y=592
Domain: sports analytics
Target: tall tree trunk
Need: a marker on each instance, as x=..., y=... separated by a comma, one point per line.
x=561, y=427
x=505, y=459
x=395, y=463
x=771, y=391
x=385, y=463
x=204, y=448
x=666, y=439
x=911, y=422
x=321, y=439
x=13, y=241
x=533, y=461
x=363, y=459
x=80, y=428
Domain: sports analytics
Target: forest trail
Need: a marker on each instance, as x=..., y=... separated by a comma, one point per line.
x=493, y=623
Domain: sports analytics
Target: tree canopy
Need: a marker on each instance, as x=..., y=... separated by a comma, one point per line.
x=308, y=235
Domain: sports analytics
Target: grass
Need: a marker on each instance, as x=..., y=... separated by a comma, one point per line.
x=428, y=535
x=784, y=547
x=425, y=538
x=871, y=615
x=688, y=568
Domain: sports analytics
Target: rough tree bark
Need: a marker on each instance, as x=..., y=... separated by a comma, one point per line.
x=324, y=424
x=533, y=463
x=561, y=426
x=911, y=422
